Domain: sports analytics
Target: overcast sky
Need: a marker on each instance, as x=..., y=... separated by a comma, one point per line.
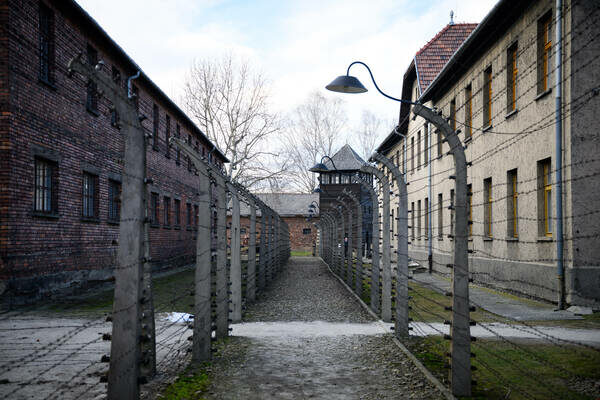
x=300, y=45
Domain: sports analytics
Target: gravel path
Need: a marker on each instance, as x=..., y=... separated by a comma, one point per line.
x=304, y=364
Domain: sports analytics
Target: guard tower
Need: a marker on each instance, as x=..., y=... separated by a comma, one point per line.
x=338, y=176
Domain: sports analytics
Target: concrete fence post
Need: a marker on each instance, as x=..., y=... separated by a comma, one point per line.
x=235, y=274
x=386, y=290
x=460, y=373
x=375, y=237
x=222, y=299
x=401, y=324
x=251, y=270
x=202, y=276
x=125, y=351
x=358, y=272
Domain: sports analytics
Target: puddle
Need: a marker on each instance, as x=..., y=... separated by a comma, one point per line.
x=304, y=329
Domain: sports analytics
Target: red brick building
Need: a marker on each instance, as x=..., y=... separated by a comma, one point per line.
x=293, y=208
x=61, y=155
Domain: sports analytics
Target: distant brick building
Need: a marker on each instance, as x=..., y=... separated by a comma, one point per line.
x=293, y=208
x=61, y=155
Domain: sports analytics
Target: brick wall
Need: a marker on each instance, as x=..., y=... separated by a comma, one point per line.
x=298, y=239
x=44, y=254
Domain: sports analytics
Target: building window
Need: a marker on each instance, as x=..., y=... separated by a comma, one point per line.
x=345, y=179
x=114, y=115
x=439, y=143
x=90, y=195
x=419, y=216
x=306, y=231
x=468, y=112
x=426, y=216
x=196, y=216
x=177, y=209
x=513, y=204
x=453, y=114
x=470, y=208
x=426, y=146
x=544, y=49
x=178, y=151
x=168, y=136
x=487, y=97
x=154, y=209
x=45, y=196
x=487, y=207
x=440, y=217
x=92, y=92
x=167, y=211
x=189, y=160
x=412, y=154
x=243, y=231
x=155, y=121
x=452, y=212
x=189, y=214
x=46, y=42
x=545, y=197
x=412, y=220
x=114, y=201
x=511, y=77
x=419, y=150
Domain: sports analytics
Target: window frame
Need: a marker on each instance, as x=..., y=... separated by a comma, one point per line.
x=166, y=212
x=49, y=190
x=512, y=76
x=544, y=39
x=46, y=44
x=114, y=201
x=468, y=112
x=91, y=101
x=177, y=209
x=154, y=213
x=487, y=207
x=440, y=216
x=487, y=97
x=513, y=203
x=89, y=196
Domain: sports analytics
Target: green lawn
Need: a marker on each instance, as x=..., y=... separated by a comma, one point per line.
x=301, y=253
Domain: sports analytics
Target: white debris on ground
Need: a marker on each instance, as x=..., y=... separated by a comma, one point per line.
x=179, y=317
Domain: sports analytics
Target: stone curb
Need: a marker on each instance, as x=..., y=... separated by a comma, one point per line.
x=447, y=394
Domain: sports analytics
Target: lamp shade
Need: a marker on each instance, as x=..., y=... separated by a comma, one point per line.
x=319, y=167
x=346, y=84
x=317, y=190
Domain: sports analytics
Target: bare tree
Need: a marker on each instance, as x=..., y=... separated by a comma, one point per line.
x=230, y=103
x=366, y=137
x=315, y=129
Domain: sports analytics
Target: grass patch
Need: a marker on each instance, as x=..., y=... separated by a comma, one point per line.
x=518, y=371
x=192, y=384
x=301, y=253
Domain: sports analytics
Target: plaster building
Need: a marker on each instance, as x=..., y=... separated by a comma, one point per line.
x=496, y=84
x=293, y=209
x=61, y=156
x=346, y=163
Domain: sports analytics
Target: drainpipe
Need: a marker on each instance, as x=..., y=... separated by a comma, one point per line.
x=130, y=85
x=558, y=156
x=430, y=227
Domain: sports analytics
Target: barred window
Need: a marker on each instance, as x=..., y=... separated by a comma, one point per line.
x=167, y=211
x=154, y=209
x=168, y=136
x=178, y=151
x=45, y=193
x=511, y=77
x=46, y=43
x=189, y=214
x=177, y=209
x=115, y=119
x=90, y=195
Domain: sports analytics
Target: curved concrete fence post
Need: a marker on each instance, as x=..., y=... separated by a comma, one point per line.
x=460, y=331
x=375, y=237
x=401, y=324
x=221, y=269
x=386, y=287
x=262, y=261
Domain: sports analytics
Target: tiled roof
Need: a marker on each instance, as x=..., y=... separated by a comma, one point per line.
x=435, y=54
x=286, y=204
x=346, y=159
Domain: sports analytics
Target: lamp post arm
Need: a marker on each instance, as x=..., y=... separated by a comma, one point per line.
x=375, y=83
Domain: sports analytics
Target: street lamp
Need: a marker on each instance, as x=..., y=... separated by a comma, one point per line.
x=320, y=167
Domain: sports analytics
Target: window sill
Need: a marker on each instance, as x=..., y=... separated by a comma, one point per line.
x=41, y=214
x=47, y=83
x=487, y=128
x=468, y=139
x=512, y=239
x=545, y=239
x=510, y=114
x=154, y=225
x=112, y=222
x=543, y=94
x=488, y=239
x=90, y=219
x=95, y=113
